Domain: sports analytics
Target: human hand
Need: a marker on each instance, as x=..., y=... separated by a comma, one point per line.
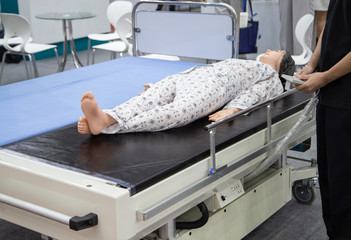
x=146, y=87
x=223, y=114
x=305, y=71
x=313, y=82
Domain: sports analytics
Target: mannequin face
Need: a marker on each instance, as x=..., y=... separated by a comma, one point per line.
x=273, y=58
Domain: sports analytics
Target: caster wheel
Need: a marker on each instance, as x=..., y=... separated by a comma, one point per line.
x=303, y=192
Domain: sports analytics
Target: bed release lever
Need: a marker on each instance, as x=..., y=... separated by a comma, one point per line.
x=75, y=223
x=79, y=223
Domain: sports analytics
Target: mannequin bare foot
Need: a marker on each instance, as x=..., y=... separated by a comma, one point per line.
x=87, y=95
x=83, y=126
x=97, y=120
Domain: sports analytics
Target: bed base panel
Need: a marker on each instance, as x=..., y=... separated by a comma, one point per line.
x=62, y=191
x=261, y=200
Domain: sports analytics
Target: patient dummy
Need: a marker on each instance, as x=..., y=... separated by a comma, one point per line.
x=180, y=99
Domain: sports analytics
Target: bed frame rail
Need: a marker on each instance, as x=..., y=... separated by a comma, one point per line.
x=211, y=128
x=172, y=33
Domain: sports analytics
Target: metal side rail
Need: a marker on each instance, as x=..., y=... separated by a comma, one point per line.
x=211, y=128
x=222, y=174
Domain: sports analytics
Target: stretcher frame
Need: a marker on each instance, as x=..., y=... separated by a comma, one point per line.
x=62, y=194
x=139, y=215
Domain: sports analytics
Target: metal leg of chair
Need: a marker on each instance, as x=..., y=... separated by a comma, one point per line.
x=88, y=52
x=57, y=57
x=93, y=58
x=35, y=69
x=36, y=73
x=2, y=65
x=25, y=64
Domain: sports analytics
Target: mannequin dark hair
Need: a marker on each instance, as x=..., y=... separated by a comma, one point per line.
x=287, y=66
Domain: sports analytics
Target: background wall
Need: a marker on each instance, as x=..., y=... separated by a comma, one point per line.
x=269, y=13
x=290, y=12
x=269, y=26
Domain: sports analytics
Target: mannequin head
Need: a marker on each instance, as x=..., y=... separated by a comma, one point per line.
x=280, y=60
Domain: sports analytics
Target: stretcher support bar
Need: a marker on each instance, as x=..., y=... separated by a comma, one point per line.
x=269, y=121
x=213, y=150
x=75, y=223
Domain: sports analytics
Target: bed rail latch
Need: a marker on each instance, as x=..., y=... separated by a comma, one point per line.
x=230, y=38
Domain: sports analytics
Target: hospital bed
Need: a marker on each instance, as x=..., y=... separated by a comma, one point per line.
x=201, y=181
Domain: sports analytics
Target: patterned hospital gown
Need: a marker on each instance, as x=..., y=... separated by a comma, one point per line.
x=184, y=97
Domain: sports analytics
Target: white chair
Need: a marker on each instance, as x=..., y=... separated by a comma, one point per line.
x=17, y=26
x=12, y=41
x=114, y=11
x=121, y=46
x=300, y=33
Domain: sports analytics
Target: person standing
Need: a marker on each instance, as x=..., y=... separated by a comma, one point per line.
x=332, y=59
x=320, y=12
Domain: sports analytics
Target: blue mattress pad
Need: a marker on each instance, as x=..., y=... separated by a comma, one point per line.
x=43, y=104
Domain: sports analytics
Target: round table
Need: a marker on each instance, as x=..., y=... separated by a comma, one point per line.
x=66, y=18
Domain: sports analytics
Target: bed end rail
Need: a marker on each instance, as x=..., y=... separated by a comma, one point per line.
x=186, y=34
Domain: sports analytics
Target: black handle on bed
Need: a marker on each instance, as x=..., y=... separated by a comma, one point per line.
x=79, y=223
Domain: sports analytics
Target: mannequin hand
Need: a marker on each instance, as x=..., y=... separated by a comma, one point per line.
x=223, y=114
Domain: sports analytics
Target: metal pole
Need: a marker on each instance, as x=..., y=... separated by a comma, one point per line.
x=44, y=212
x=213, y=149
x=269, y=122
x=168, y=231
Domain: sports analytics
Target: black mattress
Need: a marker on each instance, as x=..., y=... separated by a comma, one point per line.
x=139, y=160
